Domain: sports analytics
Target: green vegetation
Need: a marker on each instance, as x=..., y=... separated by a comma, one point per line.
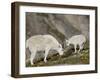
x=69, y=58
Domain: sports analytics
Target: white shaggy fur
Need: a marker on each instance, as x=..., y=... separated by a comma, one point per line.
x=76, y=40
x=43, y=43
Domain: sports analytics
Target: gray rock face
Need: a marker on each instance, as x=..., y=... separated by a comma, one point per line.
x=61, y=26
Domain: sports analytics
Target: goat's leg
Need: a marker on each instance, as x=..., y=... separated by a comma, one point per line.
x=46, y=54
x=75, y=46
x=80, y=48
x=33, y=53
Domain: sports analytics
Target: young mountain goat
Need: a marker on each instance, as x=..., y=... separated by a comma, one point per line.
x=42, y=43
x=76, y=40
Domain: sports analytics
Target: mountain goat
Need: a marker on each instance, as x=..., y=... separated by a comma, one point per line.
x=76, y=40
x=43, y=43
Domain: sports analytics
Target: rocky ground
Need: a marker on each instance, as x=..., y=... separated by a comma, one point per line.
x=69, y=58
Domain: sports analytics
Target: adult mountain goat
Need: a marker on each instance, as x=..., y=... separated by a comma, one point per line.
x=76, y=40
x=42, y=43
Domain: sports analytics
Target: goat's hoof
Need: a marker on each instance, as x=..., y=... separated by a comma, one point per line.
x=32, y=63
x=45, y=61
